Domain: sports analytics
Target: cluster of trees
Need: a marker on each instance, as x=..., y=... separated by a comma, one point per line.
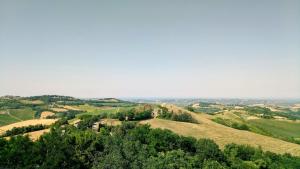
x=239, y=126
x=132, y=115
x=87, y=121
x=181, y=116
x=10, y=104
x=208, y=110
x=132, y=146
x=268, y=114
x=22, y=130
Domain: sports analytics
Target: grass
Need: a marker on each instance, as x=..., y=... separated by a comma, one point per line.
x=22, y=114
x=223, y=135
x=277, y=128
x=93, y=110
x=230, y=123
x=16, y=115
x=6, y=119
x=283, y=129
x=209, y=110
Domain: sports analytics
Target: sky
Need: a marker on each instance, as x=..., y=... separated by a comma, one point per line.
x=154, y=48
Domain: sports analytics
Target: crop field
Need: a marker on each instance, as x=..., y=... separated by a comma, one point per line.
x=22, y=114
x=36, y=134
x=27, y=123
x=6, y=119
x=278, y=128
x=45, y=114
x=15, y=115
x=284, y=129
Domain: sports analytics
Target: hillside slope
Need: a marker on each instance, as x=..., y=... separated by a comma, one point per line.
x=222, y=135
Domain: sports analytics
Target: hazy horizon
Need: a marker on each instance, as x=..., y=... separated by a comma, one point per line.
x=175, y=49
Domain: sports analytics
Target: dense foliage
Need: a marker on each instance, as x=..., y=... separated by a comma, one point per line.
x=181, y=116
x=133, y=114
x=132, y=146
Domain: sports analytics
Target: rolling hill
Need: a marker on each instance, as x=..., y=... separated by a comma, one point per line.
x=221, y=134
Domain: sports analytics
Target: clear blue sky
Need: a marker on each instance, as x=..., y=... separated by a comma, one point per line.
x=169, y=48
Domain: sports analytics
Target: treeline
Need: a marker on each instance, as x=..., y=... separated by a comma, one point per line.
x=180, y=116
x=132, y=146
x=132, y=115
x=87, y=121
x=23, y=130
x=10, y=104
x=208, y=110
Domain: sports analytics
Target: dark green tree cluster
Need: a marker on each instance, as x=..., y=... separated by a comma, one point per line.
x=133, y=115
x=10, y=104
x=181, y=116
x=132, y=146
x=88, y=121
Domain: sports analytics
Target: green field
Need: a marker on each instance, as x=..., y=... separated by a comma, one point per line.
x=22, y=114
x=208, y=110
x=93, y=110
x=6, y=119
x=277, y=128
x=16, y=115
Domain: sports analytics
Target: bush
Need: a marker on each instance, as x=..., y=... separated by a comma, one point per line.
x=240, y=126
x=182, y=116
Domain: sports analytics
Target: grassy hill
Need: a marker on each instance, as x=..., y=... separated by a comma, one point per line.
x=223, y=135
